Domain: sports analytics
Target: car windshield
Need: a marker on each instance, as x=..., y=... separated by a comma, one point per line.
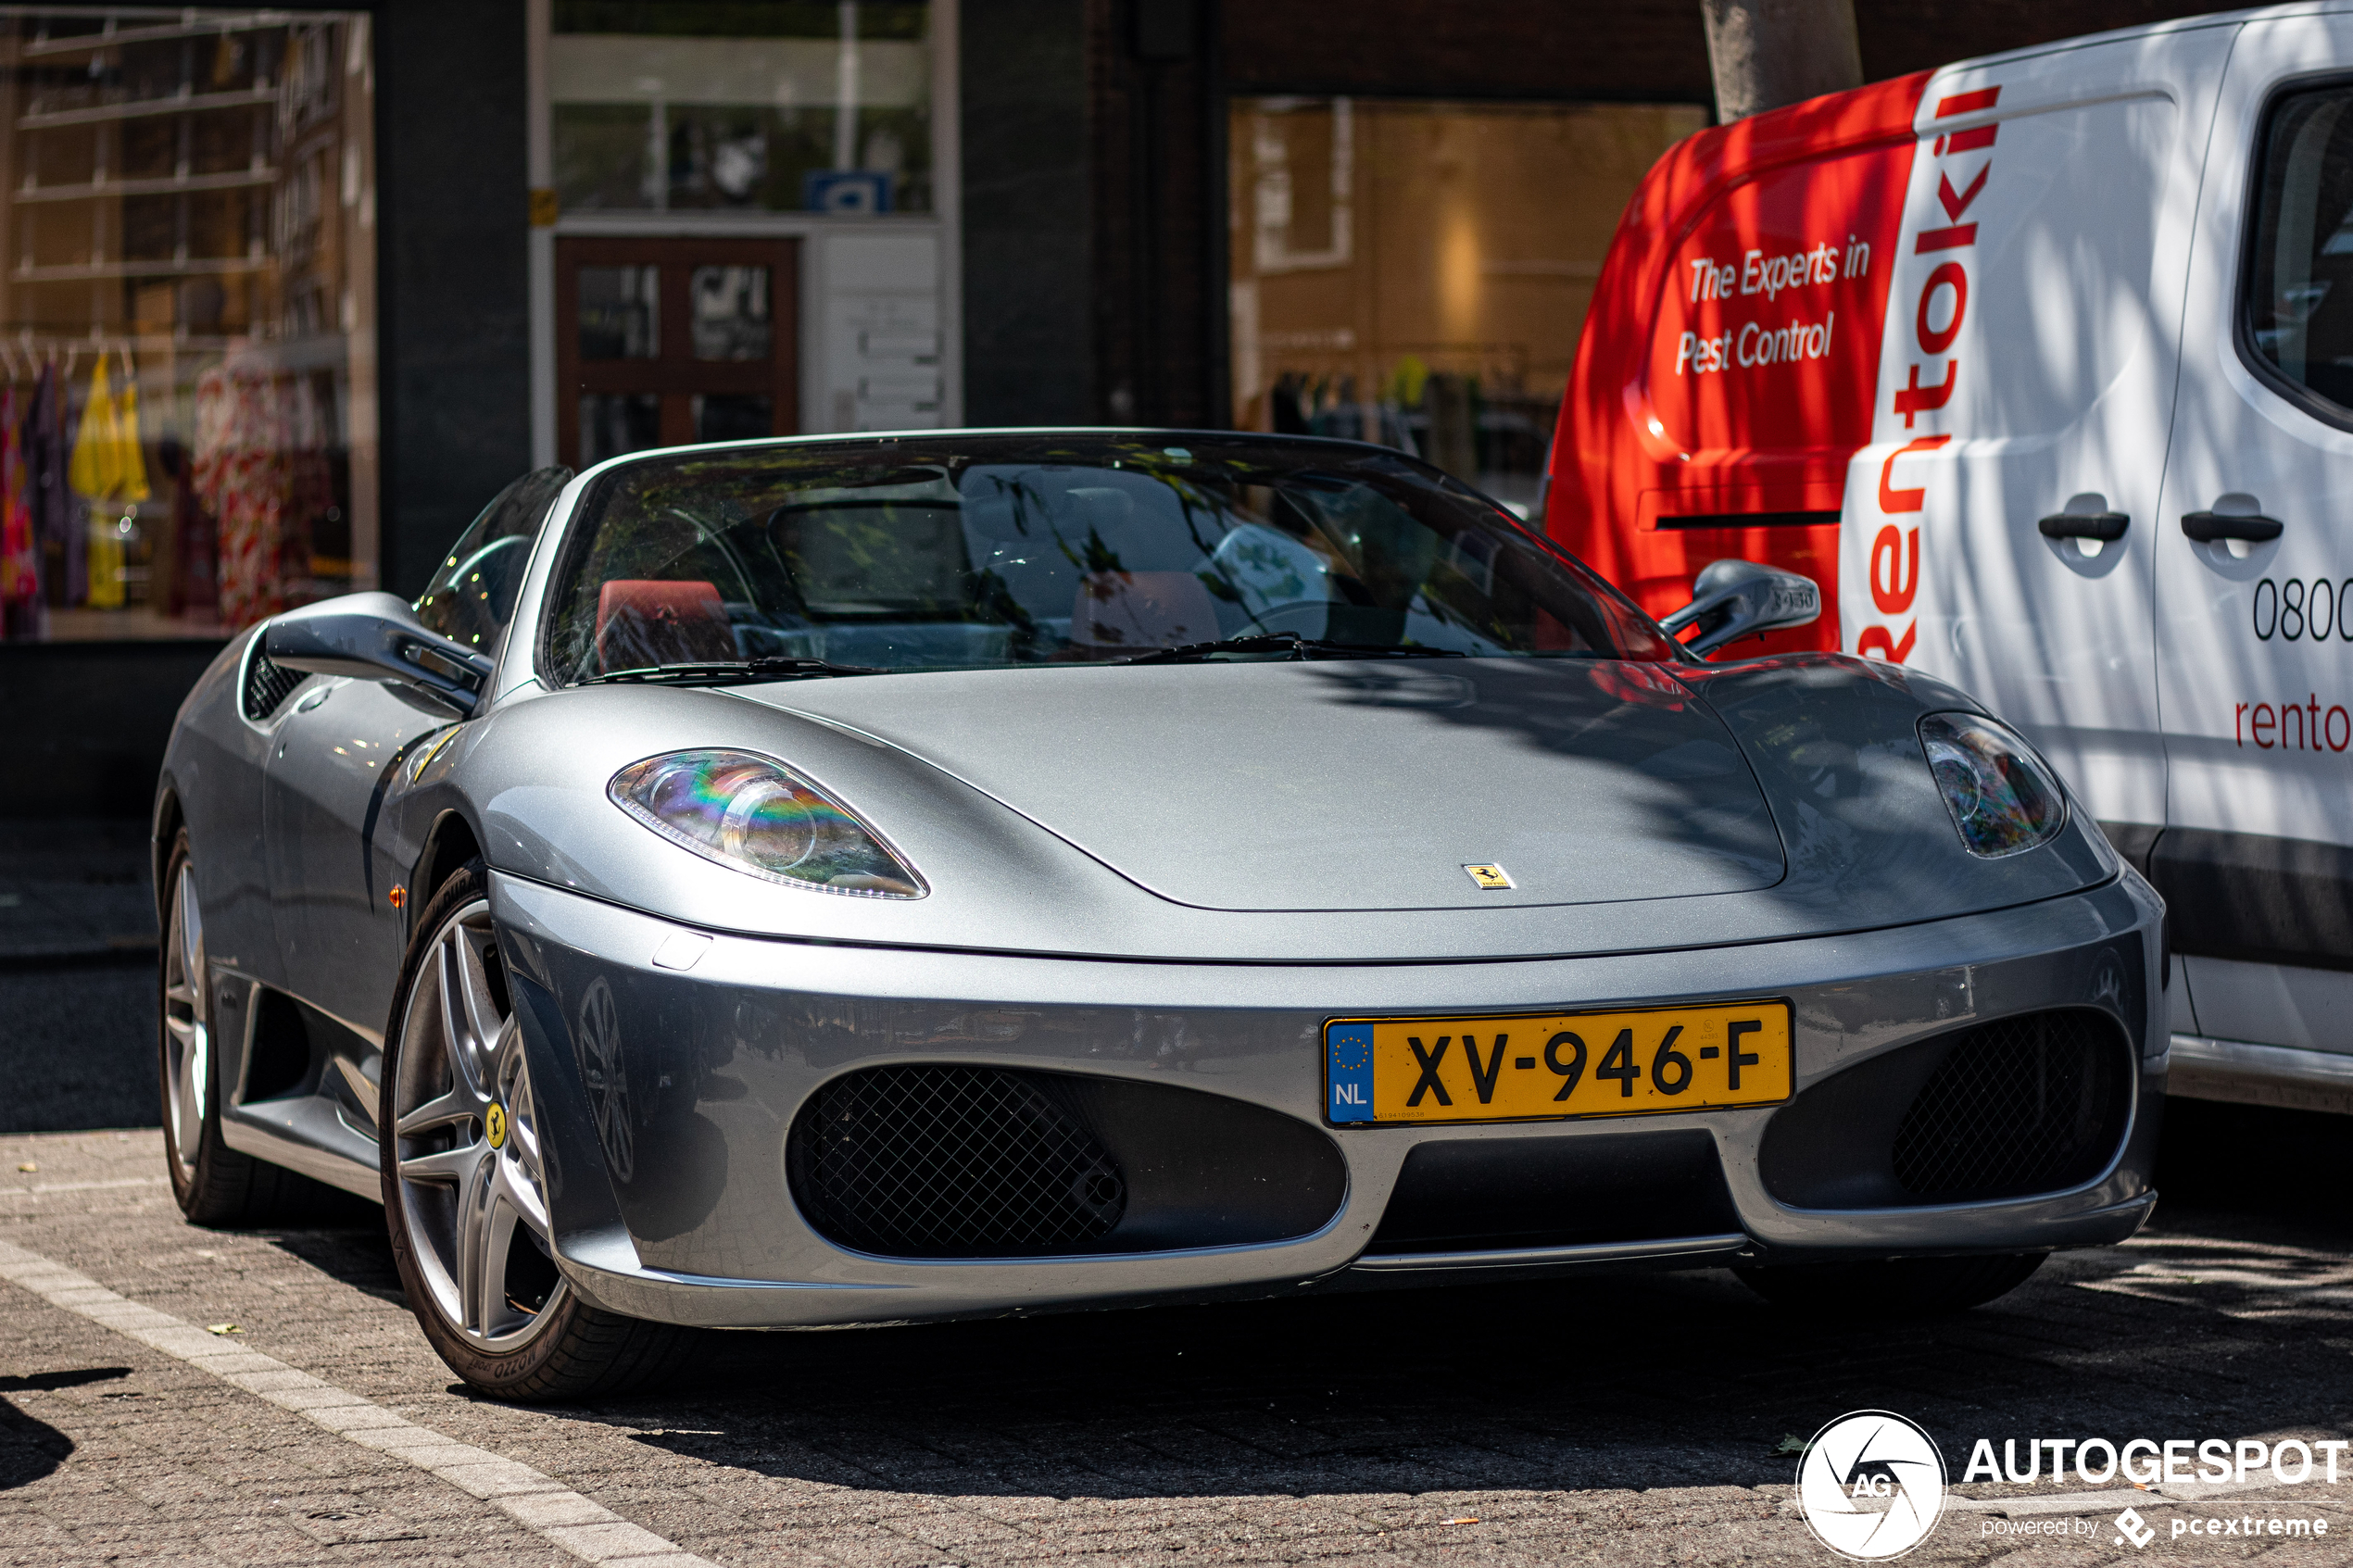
x=985, y=551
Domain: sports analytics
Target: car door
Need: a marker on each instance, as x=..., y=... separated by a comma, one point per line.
x=2000, y=530
x=2255, y=556
x=340, y=934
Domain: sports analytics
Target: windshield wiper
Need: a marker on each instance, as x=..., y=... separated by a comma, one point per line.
x=1289, y=643
x=774, y=666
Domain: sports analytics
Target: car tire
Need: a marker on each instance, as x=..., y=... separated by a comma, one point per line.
x=464, y=1200
x=1902, y=1288
x=213, y=1184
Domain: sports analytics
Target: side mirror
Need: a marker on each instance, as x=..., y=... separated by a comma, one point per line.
x=376, y=638
x=1739, y=598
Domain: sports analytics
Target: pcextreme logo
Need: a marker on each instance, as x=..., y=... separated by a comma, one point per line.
x=1872, y=1485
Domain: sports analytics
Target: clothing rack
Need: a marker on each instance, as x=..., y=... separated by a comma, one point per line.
x=25, y=352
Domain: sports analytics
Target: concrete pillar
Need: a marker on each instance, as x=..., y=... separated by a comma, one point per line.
x=1769, y=52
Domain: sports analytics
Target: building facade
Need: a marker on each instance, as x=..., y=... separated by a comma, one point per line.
x=287, y=295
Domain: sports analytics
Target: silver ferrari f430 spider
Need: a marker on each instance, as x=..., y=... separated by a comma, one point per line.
x=839, y=881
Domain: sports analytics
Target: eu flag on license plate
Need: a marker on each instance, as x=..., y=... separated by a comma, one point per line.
x=1348, y=1070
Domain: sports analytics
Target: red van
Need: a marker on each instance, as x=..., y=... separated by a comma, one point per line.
x=1729, y=364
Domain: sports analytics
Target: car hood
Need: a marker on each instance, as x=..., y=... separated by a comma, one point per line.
x=1468, y=762
x=1347, y=784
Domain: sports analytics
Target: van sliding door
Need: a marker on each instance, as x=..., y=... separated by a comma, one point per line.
x=2255, y=562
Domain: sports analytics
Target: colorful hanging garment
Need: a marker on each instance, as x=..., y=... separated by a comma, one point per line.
x=195, y=584
x=243, y=473
x=95, y=472
x=21, y=612
x=57, y=512
x=131, y=458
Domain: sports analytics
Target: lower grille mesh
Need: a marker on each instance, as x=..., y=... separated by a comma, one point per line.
x=951, y=1162
x=2024, y=1105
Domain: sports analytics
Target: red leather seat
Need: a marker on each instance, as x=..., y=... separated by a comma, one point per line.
x=641, y=624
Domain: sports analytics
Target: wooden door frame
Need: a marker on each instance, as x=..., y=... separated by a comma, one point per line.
x=675, y=374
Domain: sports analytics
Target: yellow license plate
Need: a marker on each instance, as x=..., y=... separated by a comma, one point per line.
x=1528, y=1067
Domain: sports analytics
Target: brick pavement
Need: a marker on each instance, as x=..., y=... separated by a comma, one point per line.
x=1627, y=1418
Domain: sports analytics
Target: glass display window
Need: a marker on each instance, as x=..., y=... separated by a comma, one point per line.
x=1417, y=273
x=187, y=317
x=698, y=104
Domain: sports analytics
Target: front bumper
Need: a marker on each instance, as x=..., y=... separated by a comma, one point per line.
x=665, y=1095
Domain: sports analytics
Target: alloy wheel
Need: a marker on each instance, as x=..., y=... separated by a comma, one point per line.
x=187, y=1049
x=470, y=1182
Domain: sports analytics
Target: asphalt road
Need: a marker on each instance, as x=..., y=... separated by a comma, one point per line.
x=1622, y=1419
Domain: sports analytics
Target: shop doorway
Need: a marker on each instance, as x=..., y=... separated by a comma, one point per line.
x=665, y=342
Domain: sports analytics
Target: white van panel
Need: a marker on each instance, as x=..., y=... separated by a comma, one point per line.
x=2237, y=436
x=2061, y=367
x=2258, y=726
x=2305, y=1008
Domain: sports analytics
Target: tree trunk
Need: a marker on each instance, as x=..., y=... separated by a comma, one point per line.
x=1769, y=52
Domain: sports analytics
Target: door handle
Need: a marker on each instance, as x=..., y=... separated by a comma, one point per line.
x=2207, y=527
x=2107, y=527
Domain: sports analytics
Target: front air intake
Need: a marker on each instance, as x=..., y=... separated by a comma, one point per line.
x=951, y=1161
x=1487, y=1195
x=2033, y=1103
x=2021, y=1106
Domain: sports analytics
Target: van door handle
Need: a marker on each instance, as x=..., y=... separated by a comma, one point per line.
x=2207, y=527
x=2107, y=527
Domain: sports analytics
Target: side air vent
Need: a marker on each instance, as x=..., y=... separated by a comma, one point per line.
x=951, y=1161
x=2039, y=1102
x=267, y=685
x=2024, y=1105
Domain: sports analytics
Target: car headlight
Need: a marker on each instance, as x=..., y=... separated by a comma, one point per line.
x=2003, y=798
x=754, y=814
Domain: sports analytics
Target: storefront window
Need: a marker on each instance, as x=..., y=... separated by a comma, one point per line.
x=1417, y=273
x=187, y=319
x=788, y=106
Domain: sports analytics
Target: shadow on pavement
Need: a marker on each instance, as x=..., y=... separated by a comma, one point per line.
x=30, y=1448
x=351, y=1246
x=2278, y=1175
x=2226, y=1318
